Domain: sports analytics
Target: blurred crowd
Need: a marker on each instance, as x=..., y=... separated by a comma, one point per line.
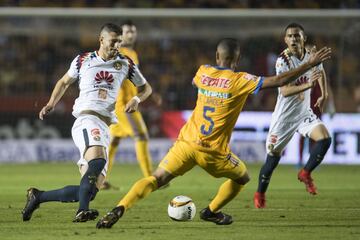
x=187, y=3
x=31, y=65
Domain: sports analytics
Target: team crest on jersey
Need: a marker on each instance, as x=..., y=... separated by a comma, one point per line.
x=96, y=134
x=117, y=65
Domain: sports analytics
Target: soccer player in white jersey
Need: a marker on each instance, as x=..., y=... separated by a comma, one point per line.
x=293, y=114
x=99, y=75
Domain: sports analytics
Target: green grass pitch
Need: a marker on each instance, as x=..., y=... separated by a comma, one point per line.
x=291, y=214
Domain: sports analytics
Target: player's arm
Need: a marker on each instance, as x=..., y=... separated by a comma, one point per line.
x=57, y=93
x=291, y=89
x=320, y=102
x=289, y=76
x=144, y=92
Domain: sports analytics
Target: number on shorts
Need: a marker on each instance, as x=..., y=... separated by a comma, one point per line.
x=209, y=119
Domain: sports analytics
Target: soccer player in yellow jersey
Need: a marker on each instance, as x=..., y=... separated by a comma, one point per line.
x=204, y=140
x=129, y=124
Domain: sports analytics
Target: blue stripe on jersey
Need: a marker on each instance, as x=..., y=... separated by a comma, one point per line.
x=258, y=87
x=222, y=68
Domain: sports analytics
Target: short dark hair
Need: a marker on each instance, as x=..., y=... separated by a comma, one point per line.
x=127, y=22
x=230, y=45
x=294, y=25
x=110, y=27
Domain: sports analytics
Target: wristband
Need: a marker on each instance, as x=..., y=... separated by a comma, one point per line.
x=136, y=98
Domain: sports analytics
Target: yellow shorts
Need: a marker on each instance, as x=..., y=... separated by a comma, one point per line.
x=129, y=125
x=182, y=157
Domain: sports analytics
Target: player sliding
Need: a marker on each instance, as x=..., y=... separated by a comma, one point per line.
x=204, y=139
x=293, y=114
x=99, y=75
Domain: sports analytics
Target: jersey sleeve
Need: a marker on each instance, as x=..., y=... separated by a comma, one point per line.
x=252, y=83
x=73, y=71
x=197, y=78
x=134, y=74
x=282, y=65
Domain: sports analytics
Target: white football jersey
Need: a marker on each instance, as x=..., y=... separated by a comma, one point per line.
x=100, y=81
x=291, y=108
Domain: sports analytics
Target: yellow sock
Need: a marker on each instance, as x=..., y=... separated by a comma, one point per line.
x=138, y=191
x=112, y=153
x=143, y=156
x=227, y=191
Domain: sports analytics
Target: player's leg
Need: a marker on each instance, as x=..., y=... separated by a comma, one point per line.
x=66, y=194
x=301, y=150
x=92, y=137
x=279, y=136
x=91, y=179
x=320, y=135
x=178, y=161
x=234, y=169
x=114, y=144
x=35, y=197
x=141, y=137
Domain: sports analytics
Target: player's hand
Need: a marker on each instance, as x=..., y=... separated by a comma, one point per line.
x=314, y=77
x=45, y=111
x=320, y=103
x=131, y=106
x=319, y=56
x=157, y=99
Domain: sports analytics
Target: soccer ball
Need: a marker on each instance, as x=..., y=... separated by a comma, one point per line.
x=181, y=208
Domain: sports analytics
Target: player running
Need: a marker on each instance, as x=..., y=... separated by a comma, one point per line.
x=204, y=139
x=99, y=75
x=293, y=114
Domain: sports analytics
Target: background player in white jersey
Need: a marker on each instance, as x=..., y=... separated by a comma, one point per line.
x=293, y=114
x=99, y=75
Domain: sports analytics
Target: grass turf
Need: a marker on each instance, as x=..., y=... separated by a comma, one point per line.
x=291, y=214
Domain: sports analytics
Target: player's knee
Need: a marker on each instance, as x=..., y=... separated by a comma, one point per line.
x=141, y=137
x=325, y=142
x=115, y=141
x=274, y=154
x=162, y=177
x=243, y=179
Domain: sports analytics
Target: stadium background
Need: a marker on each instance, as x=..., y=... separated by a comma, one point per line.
x=39, y=39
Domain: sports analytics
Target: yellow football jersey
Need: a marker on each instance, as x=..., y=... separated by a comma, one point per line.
x=222, y=94
x=128, y=90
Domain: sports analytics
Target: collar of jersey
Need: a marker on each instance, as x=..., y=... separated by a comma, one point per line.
x=220, y=68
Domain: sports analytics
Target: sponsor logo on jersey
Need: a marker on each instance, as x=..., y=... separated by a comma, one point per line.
x=301, y=80
x=209, y=93
x=215, y=82
x=104, y=76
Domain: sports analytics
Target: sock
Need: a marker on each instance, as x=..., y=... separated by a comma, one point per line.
x=227, y=191
x=88, y=188
x=317, y=154
x=266, y=172
x=143, y=156
x=138, y=191
x=112, y=153
x=65, y=194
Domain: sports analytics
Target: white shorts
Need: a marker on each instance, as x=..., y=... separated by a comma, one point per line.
x=89, y=130
x=280, y=133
